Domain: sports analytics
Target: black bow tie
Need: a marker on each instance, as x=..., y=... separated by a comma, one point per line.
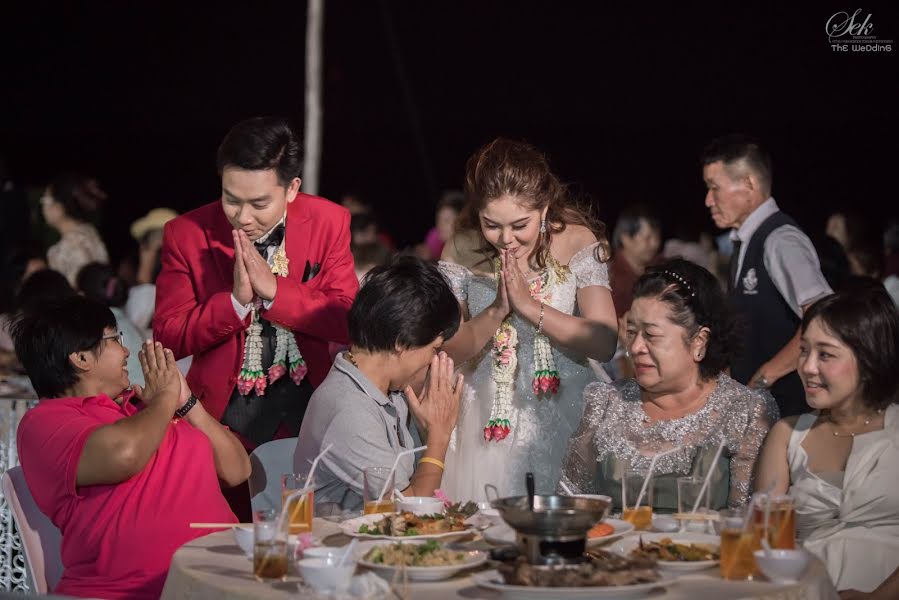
x=273, y=240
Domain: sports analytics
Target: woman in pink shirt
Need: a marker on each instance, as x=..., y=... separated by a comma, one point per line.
x=121, y=471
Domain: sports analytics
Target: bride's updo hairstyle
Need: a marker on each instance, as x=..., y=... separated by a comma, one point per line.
x=507, y=167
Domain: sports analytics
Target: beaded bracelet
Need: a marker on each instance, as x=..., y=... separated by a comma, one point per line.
x=181, y=412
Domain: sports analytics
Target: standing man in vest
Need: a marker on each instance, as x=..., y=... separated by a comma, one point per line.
x=255, y=286
x=774, y=270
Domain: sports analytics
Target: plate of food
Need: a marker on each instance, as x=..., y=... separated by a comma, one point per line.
x=603, y=575
x=604, y=532
x=673, y=551
x=407, y=526
x=421, y=560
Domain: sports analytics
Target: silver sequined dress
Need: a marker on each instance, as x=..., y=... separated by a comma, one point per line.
x=540, y=428
x=615, y=434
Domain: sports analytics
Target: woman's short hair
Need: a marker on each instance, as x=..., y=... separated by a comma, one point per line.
x=696, y=300
x=47, y=332
x=866, y=320
x=404, y=304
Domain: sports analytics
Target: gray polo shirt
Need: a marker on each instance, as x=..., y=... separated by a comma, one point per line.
x=367, y=429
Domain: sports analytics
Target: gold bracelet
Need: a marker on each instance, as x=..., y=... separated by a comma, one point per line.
x=434, y=461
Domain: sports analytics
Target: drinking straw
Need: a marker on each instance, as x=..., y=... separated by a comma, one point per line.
x=348, y=552
x=708, y=476
x=315, y=463
x=393, y=468
x=565, y=488
x=652, y=466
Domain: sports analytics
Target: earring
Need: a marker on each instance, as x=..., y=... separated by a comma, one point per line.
x=543, y=225
x=699, y=355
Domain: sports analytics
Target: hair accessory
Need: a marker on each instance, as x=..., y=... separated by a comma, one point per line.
x=680, y=280
x=110, y=286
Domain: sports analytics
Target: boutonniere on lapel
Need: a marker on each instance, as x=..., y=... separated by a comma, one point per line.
x=310, y=271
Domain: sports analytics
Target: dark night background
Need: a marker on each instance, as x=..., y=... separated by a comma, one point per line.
x=622, y=99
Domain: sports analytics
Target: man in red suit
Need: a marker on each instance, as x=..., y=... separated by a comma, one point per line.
x=256, y=285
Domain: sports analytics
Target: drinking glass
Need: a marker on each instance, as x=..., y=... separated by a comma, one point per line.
x=373, y=479
x=780, y=529
x=687, y=492
x=632, y=483
x=301, y=508
x=269, y=545
x=737, y=544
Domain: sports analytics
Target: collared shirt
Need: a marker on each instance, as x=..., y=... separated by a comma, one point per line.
x=790, y=259
x=366, y=428
x=118, y=540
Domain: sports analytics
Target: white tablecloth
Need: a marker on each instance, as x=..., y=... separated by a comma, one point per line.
x=214, y=568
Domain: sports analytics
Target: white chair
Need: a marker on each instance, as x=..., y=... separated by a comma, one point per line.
x=269, y=461
x=40, y=538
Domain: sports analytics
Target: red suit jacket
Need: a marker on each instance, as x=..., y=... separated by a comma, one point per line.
x=195, y=315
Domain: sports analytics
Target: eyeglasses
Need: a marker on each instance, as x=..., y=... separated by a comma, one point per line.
x=116, y=336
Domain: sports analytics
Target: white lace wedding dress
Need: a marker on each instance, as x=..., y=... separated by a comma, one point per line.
x=540, y=427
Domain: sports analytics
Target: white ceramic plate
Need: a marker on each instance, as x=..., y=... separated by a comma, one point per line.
x=472, y=559
x=494, y=581
x=625, y=546
x=503, y=534
x=351, y=528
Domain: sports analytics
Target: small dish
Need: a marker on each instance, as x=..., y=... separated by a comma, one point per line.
x=783, y=566
x=323, y=552
x=323, y=574
x=420, y=505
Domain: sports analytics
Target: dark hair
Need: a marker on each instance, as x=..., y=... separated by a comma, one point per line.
x=696, y=300
x=45, y=334
x=42, y=286
x=865, y=319
x=371, y=253
x=510, y=168
x=73, y=192
x=631, y=219
x=451, y=199
x=734, y=148
x=259, y=144
x=405, y=304
x=362, y=221
x=868, y=257
x=98, y=282
x=891, y=237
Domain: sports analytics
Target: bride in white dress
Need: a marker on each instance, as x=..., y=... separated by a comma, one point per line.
x=530, y=275
x=839, y=462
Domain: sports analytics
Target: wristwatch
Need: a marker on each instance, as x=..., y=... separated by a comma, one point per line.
x=181, y=412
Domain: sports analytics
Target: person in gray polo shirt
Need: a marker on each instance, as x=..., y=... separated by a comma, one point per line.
x=364, y=408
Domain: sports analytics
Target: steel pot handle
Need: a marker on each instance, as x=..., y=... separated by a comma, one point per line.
x=487, y=488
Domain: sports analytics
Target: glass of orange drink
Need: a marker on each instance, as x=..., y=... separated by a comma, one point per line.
x=631, y=485
x=301, y=507
x=737, y=544
x=780, y=527
x=374, y=481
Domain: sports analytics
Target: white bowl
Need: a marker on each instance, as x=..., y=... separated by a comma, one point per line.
x=784, y=566
x=243, y=535
x=420, y=505
x=323, y=552
x=323, y=574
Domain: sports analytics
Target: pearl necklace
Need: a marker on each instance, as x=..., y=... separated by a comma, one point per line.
x=852, y=433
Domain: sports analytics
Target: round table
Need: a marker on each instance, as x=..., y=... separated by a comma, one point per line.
x=214, y=567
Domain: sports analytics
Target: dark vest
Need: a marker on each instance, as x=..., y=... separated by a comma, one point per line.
x=769, y=321
x=284, y=403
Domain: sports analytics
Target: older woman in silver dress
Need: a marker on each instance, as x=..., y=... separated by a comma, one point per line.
x=681, y=338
